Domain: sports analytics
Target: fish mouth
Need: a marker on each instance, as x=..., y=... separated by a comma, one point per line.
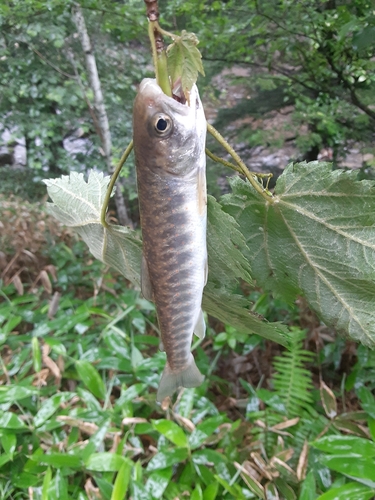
x=177, y=103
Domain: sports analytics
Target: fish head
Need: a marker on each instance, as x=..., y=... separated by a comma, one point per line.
x=169, y=137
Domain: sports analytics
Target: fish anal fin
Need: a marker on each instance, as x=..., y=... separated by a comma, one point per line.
x=200, y=327
x=171, y=380
x=145, y=281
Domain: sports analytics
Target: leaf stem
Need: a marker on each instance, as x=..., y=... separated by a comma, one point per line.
x=159, y=58
x=113, y=180
x=228, y=164
x=244, y=170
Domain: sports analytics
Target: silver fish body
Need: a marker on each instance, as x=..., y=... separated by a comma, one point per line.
x=169, y=146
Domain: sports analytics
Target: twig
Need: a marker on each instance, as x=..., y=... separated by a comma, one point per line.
x=51, y=64
x=244, y=170
x=112, y=183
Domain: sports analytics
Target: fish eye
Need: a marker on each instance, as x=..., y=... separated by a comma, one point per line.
x=162, y=124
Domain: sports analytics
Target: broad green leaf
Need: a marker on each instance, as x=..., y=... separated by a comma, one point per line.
x=234, y=490
x=95, y=441
x=105, y=462
x=204, y=430
x=308, y=488
x=352, y=466
x=91, y=378
x=77, y=204
x=10, y=420
x=184, y=61
x=197, y=493
x=208, y=456
x=37, y=356
x=171, y=431
x=349, y=491
x=210, y=493
x=58, y=460
x=120, y=487
x=13, y=393
x=317, y=239
x=49, y=406
x=158, y=481
x=46, y=483
x=165, y=459
x=8, y=442
x=345, y=445
x=367, y=400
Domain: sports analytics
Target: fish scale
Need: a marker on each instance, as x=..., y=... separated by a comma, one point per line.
x=172, y=199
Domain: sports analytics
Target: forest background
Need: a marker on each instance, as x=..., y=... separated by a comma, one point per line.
x=284, y=81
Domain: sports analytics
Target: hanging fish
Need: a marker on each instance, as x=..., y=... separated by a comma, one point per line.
x=169, y=146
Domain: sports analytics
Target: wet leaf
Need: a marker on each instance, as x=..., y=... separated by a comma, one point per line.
x=210, y=493
x=91, y=378
x=171, y=431
x=158, y=481
x=8, y=442
x=106, y=462
x=352, y=491
x=165, y=459
x=58, y=460
x=308, y=488
x=121, y=484
x=10, y=420
x=50, y=406
x=204, y=430
x=352, y=466
x=345, y=445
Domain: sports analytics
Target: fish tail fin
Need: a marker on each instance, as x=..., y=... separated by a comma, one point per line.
x=170, y=380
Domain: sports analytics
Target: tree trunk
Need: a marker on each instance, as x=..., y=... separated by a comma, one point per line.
x=99, y=106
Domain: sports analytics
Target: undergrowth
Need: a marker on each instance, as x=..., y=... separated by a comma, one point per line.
x=79, y=370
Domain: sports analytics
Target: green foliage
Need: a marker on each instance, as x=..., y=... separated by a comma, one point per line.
x=315, y=240
x=184, y=61
x=291, y=378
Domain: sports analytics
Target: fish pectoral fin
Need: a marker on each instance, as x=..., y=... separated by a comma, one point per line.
x=145, y=281
x=200, y=327
x=171, y=380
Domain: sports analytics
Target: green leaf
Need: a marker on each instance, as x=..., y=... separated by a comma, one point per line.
x=317, y=239
x=158, y=481
x=46, y=482
x=207, y=456
x=10, y=420
x=165, y=459
x=120, y=487
x=345, y=445
x=58, y=460
x=184, y=61
x=13, y=393
x=91, y=378
x=352, y=491
x=367, y=400
x=234, y=490
x=352, y=466
x=106, y=462
x=171, y=431
x=77, y=204
x=37, y=356
x=308, y=488
x=49, y=406
x=197, y=493
x=9, y=442
x=204, y=430
x=210, y=493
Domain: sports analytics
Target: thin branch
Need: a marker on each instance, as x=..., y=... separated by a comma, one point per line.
x=73, y=77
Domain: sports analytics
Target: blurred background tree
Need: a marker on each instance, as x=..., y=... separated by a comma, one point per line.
x=307, y=67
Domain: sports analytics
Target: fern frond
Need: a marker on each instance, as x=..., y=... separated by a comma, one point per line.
x=292, y=381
